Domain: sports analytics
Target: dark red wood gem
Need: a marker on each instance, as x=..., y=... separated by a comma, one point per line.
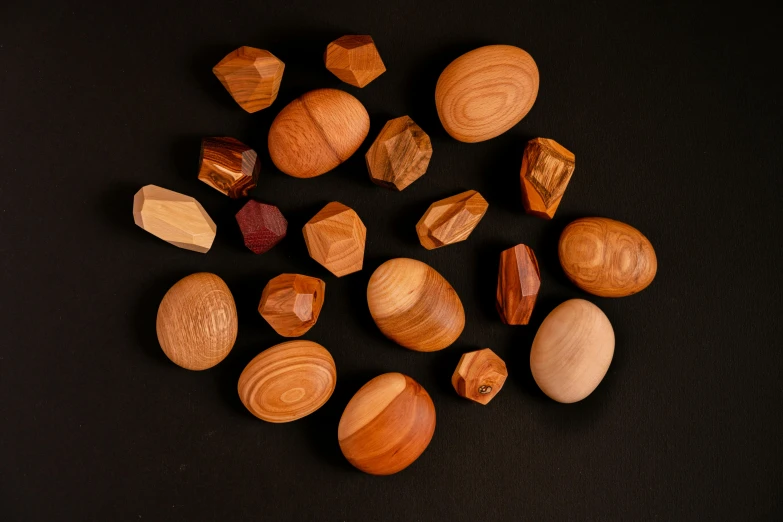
x=263, y=226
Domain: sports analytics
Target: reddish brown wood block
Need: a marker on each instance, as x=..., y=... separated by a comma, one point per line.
x=400, y=154
x=252, y=77
x=546, y=170
x=518, y=283
x=263, y=226
x=229, y=166
x=479, y=375
x=451, y=220
x=291, y=303
x=335, y=238
x=354, y=59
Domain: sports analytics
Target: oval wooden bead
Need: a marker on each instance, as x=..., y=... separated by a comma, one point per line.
x=387, y=424
x=316, y=132
x=288, y=381
x=486, y=91
x=572, y=351
x=606, y=257
x=197, y=321
x=414, y=306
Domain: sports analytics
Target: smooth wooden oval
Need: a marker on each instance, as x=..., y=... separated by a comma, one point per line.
x=414, y=305
x=387, y=424
x=316, y=132
x=288, y=381
x=197, y=321
x=606, y=257
x=572, y=351
x=486, y=91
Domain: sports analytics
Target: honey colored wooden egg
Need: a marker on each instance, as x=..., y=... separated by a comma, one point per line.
x=288, y=381
x=387, y=424
x=572, y=351
x=414, y=306
x=486, y=91
x=197, y=321
x=316, y=132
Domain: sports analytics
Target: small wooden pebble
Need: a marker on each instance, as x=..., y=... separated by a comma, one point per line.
x=518, y=283
x=229, y=166
x=335, y=238
x=252, y=77
x=291, y=303
x=173, y=217
x=546, y=170
x=354, y=59
x=451, y=220
x=399, y=155
x=479, y=376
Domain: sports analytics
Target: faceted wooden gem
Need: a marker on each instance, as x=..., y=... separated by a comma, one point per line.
x=451, y=220
x=400, y=154
x=479, y=375
x=229, y=166
x=252, y=77
x=546, y=170
x=290, y=303
x=335, y=238
x=518, y=283
x=263, y=226
x=174, y=217
x=354, y=59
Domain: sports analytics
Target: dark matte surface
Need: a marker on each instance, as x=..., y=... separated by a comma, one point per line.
x=675, y=121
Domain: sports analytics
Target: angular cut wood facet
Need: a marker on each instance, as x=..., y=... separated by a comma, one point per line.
x=546, y=170
x=252, y=77
x=335, y=238
x=263, y=226
x=229, y=166
x=479, y=375
x=173, y=217
x=400, y=154
x=354, y=59
x=518, y=283
x=451, y=220
x=290, y=303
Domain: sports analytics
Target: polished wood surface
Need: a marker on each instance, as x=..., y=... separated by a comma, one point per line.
x=229, y=166
x=354, y=59
x=252, y=77
x=399, y=155
x=263, y=226
x=519, y=281
x=173, y=217
x=479, y=375
x=335, y=238
x=546, y=170
x=291, y=303
x=451, y=220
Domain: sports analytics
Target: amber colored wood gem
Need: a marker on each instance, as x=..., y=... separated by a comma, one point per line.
x=572, y=351
x=518, y=283
x=486, y=91
x=291, y=303
x=387, y=425
x=173, y=217
x=400, y=154
x=229, y=166
x=354, y=59
x=263, y=226
x=451, y=220
x=197, y=321
x=607, y=257
x=316, y=132
x=335, y=237
x=546, y=170
x=414, y=306
x=252, y=77
x=479, y=375
x=288, y=381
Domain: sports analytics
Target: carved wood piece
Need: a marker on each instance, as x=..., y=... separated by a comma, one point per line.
x=252, y=77
x=173, y=217
x=263, y=226
x=451, y=220
x=229, y=166
x=546, y=170
x=399, y=155
x=291, y=303
x=335, y=238
x=479, y=375
x=518, y=283
x=354, y=59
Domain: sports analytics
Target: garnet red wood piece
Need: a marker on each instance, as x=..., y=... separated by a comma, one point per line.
x=263, y=226
x=518, y=283
x=229, y=166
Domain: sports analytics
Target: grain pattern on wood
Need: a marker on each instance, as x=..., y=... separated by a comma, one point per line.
x=572, y=351
x=546, y=170
x=451, y=220
x=316, y=132
x=387, y=425
x=335, y=238
x=229, y=166
x=486, y=91
x=414, y=306
x=173, y=217
x=291, y=303
x=263, y=226
x=252, y=77
x=288, y=381
x=399, y=155
x=518, y=283
x=607, y=257
x=197, y=321
x=354, y=59
x=479, y=376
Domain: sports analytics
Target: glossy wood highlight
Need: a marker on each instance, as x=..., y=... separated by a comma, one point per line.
x=252, y=77
x=546, y=170
x=519, y=281
x=291, y=303
x=175, y=218
x=399, y=155
x=451, y=220
x=354, y=59
x=229, y=166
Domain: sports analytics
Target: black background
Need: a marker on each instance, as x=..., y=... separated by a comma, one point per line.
x=675, y=121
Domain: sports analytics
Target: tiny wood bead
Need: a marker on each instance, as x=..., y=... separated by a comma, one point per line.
x=479, y=376
x=546, y=170
x=252, y=77
x=451, y=220
x=399, y=155
x=229, y=166
x=354, y=59
x=291, y=303
x=519, y=281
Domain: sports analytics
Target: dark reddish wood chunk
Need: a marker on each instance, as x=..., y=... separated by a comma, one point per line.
x=228, y=165
x=263, y=226
x=518, y=283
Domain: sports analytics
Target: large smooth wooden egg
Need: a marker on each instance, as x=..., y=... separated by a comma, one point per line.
x=197, y=321
x=572, y=351
x=486, y=91
x=288, y=381
x=606, y=257
x=387, y=424
x=414, y=306
x=316, y=132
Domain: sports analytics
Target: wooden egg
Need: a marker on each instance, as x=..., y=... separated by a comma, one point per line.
x=572, y=351
x=486, y=91
x=316, y=132
x=414, y=306
x=197, y=321
x=288, y=381
x=387, y=424
x=606, y=257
